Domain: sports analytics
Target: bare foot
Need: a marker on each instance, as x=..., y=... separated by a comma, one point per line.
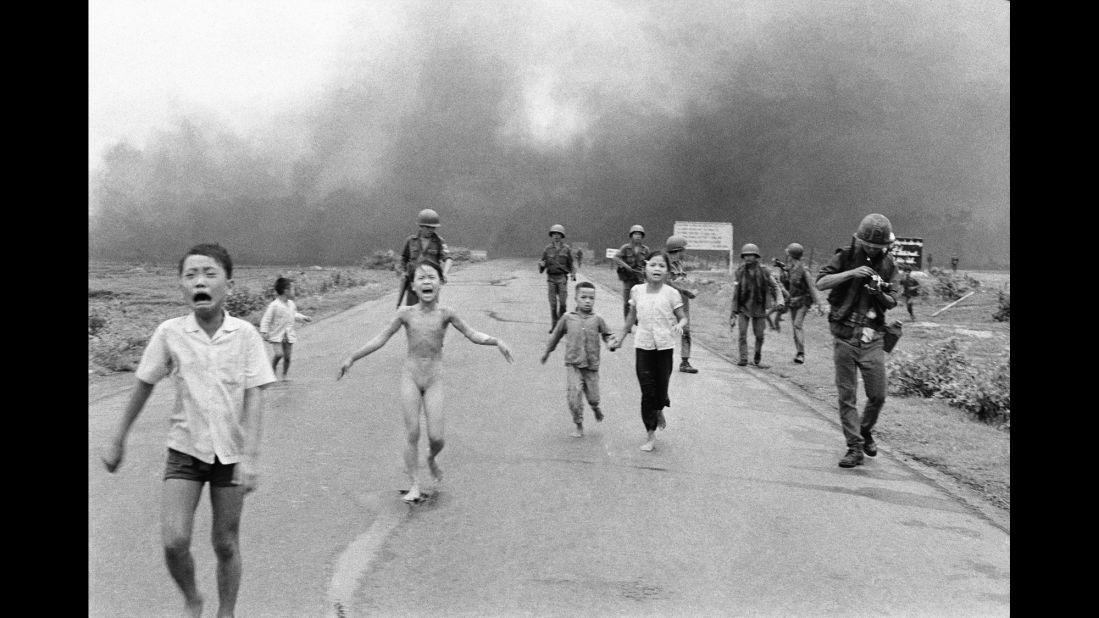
x=436, y=471
x=578, y=432
x=194, y=607
x=598, y=415
x=412, y=495
x=660, y=422
x=648, y=446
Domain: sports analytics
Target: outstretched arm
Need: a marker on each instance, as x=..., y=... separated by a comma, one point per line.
x=631, y=319
x=478, y=337
x=558, y=332
x=246, y=473
x=371, y=346
x=115, y=448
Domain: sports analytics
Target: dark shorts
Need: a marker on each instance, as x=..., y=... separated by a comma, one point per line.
x=185, y=467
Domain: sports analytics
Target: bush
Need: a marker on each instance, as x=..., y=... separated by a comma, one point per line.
x=1003, y=314
x=951, y=286
x=380, y=260
x=942, y=371
x=241, y=302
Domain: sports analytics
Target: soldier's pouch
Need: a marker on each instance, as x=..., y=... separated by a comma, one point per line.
x=893, y=332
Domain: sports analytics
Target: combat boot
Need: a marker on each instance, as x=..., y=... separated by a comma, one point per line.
x=851, y=459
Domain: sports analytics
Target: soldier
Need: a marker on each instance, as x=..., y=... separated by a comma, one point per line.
x=423, y=246
x=802, y=295
x=911, y=291
x=863, y=280
x=557, y=263
x=755, y=292
x=630, y=261
x=677, y=278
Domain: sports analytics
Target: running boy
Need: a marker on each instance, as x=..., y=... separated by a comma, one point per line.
x=219, y=368
x=582, y=330
x=277, y=325
x=421, y=375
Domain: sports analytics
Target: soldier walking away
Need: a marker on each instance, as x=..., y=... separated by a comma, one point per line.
x=678, y=279
x=424, y=246
x=630, y=263
x=911, y=291
x=774, y=316
x=954, y=263
x=801, y=296
x=863, y=280
x=755, y=291
x=557, y=263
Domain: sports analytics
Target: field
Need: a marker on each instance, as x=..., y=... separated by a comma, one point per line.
x=127, y=301
x=928, y=431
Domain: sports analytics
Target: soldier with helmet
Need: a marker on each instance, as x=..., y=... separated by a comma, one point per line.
x=557, y=263
x=630, y=262
x=802, y=296
x=423, y=246
x=863, y=283
x=677, y=278
x=755, y=292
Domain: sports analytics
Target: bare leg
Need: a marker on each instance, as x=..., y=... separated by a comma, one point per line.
x=177, y=520
x=227, y=503
x=411, y=399
x=286, y=348
x=436, y=426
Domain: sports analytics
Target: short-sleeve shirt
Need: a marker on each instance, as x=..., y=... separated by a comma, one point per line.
x=655, y=316
x=210, y=376
x=582, y=333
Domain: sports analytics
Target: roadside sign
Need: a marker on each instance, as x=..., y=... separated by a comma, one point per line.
x=707, y=236
x=613, y=251
x=908, y=251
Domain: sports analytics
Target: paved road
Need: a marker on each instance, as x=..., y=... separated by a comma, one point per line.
x=741, y=510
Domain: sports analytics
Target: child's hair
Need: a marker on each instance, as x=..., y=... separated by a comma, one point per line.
x=212, y=250
x=660, y=254
x=584, y=284
x=438, y=269
x=281, y=284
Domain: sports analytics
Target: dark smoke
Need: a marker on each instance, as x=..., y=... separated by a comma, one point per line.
x=792, y=132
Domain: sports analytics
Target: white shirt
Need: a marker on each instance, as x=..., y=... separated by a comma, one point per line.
x=210, y=375
x=277, y=323
x=655, y=316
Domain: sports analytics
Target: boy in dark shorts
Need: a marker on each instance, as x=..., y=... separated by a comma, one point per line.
x=582, y=330
x=219, y=367
x=421, y=374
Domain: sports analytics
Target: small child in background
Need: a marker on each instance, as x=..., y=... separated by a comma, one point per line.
x=582, y=330
x=277, y=325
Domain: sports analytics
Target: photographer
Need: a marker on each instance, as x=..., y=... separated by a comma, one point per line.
x=864, y=285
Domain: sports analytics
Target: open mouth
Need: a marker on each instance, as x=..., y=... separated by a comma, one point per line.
x=202, y=297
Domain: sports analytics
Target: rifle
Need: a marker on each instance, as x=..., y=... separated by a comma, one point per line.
x=404, y=289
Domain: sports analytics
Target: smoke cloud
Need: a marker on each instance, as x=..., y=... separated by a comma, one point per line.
x=791, y=120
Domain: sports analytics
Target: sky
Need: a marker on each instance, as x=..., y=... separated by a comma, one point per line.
x=786, y=117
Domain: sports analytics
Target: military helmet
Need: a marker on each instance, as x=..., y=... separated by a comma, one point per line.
x=637, y=228
x=749, y=249
x=875, y=230
x=560, y=229
x=428, y=217
x=675, y=243
x=795, y=250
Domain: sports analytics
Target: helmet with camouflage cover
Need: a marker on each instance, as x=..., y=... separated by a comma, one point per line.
x=795, y=250
x=428, y=217
x=637, y=228
x=875, y=230
x=749, y=249
x=675, y=243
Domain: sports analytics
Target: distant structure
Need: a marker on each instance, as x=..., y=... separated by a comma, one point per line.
x=908, y=251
